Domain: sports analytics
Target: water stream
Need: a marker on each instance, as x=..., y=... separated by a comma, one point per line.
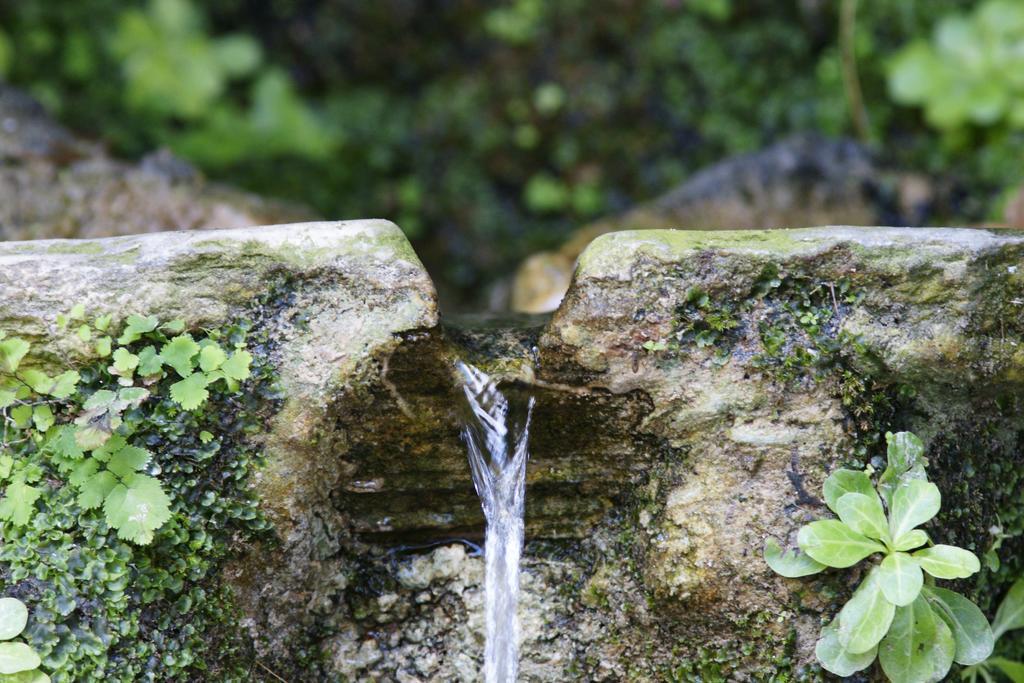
x=496, y=439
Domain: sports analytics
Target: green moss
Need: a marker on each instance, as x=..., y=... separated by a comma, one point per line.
x=353, y=238
x=758, y=652
x=75, y=247
x=99, y=252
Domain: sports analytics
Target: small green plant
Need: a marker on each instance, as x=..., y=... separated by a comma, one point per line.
x=1009, y=617
x=118, y=592
x=84, y=435
x=19, y=663
x=897, y=614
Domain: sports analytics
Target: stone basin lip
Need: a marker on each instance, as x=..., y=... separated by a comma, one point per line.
x=610, y=253
x=318, y=238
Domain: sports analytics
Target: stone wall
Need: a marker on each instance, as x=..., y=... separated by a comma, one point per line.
x=694, y=389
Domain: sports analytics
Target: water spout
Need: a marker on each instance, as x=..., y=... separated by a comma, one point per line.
x=497, y=458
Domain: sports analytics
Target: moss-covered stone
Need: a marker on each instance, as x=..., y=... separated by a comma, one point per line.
x=773, y=356
x=693, y=391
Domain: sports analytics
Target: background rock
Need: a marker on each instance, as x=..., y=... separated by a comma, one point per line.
x=53, y=184
x=804, y=180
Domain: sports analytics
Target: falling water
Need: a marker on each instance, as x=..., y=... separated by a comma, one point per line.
x=497, y=457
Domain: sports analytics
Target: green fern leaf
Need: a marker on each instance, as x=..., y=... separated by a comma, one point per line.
x=136, y=327
x=137, y=508
x=19, y=502
x=150, y=362
x=190, y=393
x=95, y=489
x=128, y=460
x=211, y=357
x=179, y=352
x=237, y=367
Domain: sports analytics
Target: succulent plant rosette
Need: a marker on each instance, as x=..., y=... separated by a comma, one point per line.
x=897, y=614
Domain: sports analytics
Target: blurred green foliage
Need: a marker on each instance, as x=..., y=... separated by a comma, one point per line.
x=971, y=72
x=489, y=130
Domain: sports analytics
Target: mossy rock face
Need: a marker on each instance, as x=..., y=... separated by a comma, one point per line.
x=771, y=357
x=693, y=392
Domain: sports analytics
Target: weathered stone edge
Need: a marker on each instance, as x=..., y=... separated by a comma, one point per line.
x=296, y=242
x=610, y=256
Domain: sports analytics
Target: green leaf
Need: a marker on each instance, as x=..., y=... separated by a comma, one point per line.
x=42, y=417
x=130, y=397
x=836, y=658
x=900, y=578
x=60, y=441
x=792, y=564
x=77, y=312
x=179, y=352
x=907, y=652
x=864, y=514
x=103, y=398
x=1010, y=614
x=844, y=481
x=84, y=333
x=137, y=509
x=128, y=460
x=93, y=435
x=190, y=393
x=1012, y=670
x=7, y=397
x=865, y=618
x=911, y=77
x=102, y=346
x=15, y=657
x=211, y=357
x=102, y=322
x=11, y=352
x=910, y=540
x=13, y=617
x=18, y=504
x=6, y=465
x=136, y=327
x=834, y=544
x=943, y=648
x=125, y=361
x=150, y=362
x=904, y=450
x=906, y=462
x=207, y=437
x=82, y=470
x=65, y=384
x=974, y=637
x=231, y=384
x=37, y=379
x=948, y=562
x=914, y=502
x=238, y=54
x=33, y=676
x=22, y=415
x=237, y=367
x=96, y=489
x=31, y=472
x=174, y=326
x=111, y=446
